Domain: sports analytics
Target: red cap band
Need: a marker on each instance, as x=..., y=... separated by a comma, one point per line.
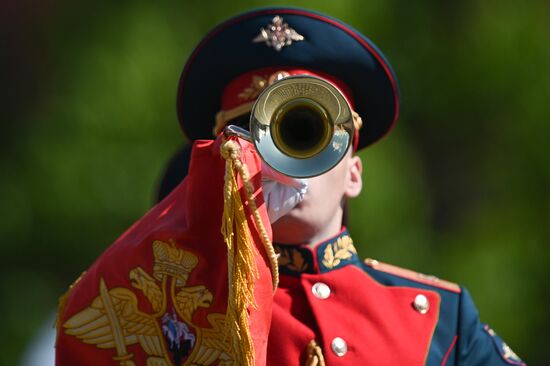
x=246, y=87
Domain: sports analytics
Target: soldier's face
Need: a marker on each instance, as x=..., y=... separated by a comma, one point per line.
x=319, y=215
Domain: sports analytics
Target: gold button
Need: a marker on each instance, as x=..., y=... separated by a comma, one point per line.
x=339, y=346
x=320, y=290
x=421, y=304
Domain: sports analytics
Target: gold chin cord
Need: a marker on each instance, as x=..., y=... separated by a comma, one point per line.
x=302, y=126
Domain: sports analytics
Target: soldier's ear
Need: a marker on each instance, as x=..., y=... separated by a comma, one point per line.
x=354, y=182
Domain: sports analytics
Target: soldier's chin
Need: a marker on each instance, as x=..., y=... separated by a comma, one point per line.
x=293, y=228
x=293, y=217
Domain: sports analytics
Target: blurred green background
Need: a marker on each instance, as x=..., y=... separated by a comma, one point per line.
x=460, y=189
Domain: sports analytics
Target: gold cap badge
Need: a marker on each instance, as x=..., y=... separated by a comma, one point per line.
x=278, y=34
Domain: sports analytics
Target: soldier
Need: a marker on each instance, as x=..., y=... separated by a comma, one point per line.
x=173, y=290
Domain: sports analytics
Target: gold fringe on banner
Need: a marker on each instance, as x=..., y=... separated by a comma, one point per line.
x=242, y=270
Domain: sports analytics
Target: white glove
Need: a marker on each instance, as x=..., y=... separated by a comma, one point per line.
x=281, y=193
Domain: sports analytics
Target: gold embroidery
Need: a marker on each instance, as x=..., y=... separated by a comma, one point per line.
x=142, y=281
x=278, y=34
x=338, y=251
x=254, y=89
x=292, y=259
x=259, y=83
x=114, y=320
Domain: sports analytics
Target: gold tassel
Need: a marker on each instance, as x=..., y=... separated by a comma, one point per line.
x=241, y=265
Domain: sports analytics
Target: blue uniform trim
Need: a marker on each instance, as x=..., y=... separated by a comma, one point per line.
x=446, y=328
x=460, y=338
x=477, y=346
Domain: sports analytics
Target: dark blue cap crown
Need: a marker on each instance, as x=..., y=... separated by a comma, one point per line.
x=244, y=43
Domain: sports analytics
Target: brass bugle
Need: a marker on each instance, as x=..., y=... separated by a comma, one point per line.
x=301, y=126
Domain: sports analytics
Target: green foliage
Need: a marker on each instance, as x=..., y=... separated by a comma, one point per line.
x=461, y=187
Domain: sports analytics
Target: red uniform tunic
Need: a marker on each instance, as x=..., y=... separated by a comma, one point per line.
x=370, y=313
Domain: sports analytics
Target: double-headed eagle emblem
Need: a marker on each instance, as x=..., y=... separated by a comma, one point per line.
x=278, y=34
x=168, y=335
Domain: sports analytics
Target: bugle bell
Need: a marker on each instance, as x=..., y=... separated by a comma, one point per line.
x=301, y=126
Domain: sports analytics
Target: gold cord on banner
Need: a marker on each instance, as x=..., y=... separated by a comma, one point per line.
x=242, y=270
